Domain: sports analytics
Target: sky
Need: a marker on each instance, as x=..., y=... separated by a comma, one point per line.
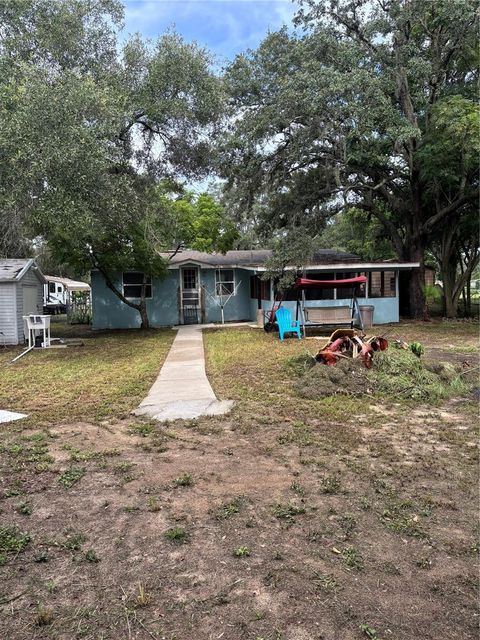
x=226, y=27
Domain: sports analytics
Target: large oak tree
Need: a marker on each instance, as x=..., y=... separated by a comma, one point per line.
x=90, y=129
x=347, y=113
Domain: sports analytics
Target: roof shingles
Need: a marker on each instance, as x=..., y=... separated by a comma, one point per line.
x=256, y=257
x=11, y=267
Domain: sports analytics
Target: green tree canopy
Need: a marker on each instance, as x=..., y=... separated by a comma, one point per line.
x=357, y=231
x=351, y=113
x=87, y=134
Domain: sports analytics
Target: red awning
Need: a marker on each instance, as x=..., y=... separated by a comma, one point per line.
x=306, y=283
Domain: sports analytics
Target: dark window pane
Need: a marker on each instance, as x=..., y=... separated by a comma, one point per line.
x=225, y=275
x=375, y=284
x=189, y=278
x=265, y=289
x=135, y=291
x=345, y=292
x=132, y=291
x=259, y=289
x=132, y=277
x=225, y=288
x=320, y=293
x=390, y=284
x=291, y=294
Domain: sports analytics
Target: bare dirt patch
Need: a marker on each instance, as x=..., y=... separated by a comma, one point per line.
x=290, y=519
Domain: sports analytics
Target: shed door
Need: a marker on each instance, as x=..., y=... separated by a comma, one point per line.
x=30, y=299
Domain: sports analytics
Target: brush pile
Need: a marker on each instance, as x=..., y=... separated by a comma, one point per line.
x=398, y=374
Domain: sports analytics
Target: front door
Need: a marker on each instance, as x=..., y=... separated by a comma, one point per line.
x=190, y=295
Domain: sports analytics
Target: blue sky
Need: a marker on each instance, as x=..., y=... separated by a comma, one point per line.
x=226, y=27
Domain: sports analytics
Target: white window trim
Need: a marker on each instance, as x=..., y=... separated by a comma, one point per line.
x=217, y=282
x=136, y=285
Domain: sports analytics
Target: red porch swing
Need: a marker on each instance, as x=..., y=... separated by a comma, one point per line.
x=302, y=284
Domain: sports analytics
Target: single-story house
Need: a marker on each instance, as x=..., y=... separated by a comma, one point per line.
x=197, y=283
x=21, y=294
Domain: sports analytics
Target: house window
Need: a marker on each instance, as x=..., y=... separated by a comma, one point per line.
x=189, y=278
x=51, y=287
x=224, y=282
x=382, y=284
x=132, y=284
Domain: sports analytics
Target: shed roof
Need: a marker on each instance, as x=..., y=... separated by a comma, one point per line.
x=13, y=269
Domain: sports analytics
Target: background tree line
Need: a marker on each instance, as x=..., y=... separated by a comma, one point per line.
x=358, y=128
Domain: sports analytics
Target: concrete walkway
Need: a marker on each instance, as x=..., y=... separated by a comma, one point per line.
x=182, y=390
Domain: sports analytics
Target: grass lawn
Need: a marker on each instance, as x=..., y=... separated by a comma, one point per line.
x=289, y=519
x=108, y=375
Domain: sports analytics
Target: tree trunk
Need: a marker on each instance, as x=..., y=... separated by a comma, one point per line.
x=417, y=283
x=417, y=296
x=456, y=266
x=142, y=310
x=448, y=270
x=141, y=307
x=451, y=307
x=450, y=299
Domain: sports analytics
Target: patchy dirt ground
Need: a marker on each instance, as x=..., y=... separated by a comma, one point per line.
x=290, y=519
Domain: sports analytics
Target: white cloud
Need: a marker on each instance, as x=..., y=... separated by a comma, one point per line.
x=224, y=26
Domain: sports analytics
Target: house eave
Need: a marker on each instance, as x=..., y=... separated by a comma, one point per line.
x=195, y=263
x=353, y=266
x=206, y=265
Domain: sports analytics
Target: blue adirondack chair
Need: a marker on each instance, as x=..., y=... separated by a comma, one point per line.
x=286, y=324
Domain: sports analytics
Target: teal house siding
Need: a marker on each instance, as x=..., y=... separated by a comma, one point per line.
x=172, y=304
x=238, y=308
x=109, y=312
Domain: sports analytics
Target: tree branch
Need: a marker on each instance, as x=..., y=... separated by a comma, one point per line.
x=443, y=213
x=112, y=287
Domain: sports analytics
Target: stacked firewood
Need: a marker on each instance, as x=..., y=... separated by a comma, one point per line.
x=348, y=343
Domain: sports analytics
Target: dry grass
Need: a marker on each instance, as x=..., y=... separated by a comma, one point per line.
x=107, y=376
x=290, y=519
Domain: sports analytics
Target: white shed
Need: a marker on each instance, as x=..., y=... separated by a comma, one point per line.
x=21, y=293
